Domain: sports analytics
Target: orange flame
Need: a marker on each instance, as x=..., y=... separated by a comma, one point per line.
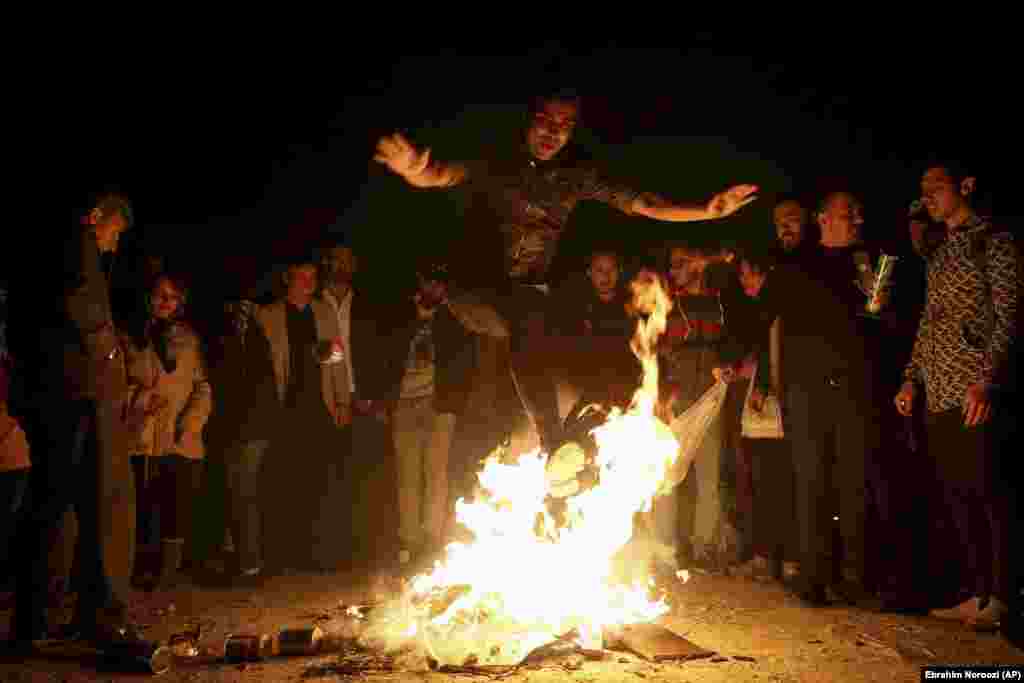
x=524, y=587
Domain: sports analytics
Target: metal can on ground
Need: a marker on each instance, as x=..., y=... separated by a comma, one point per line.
x=248, y=647
x=300, y=641
x=135, y=657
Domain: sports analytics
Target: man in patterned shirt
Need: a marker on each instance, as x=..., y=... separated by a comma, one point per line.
x=527, y=199
x=961, y=355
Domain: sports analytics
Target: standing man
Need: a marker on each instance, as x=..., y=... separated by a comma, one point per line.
x=431, y=363
x=792, y=228
x=313, y=407
x=962, y=355
x=84, y=450
x=597, y=330
x=369, y=477
x=526, y=200
x=688, y=352
x=825, y=363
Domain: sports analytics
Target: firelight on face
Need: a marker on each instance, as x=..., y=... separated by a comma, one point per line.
x=302, y=280
x=551, y=129
x=166, y=300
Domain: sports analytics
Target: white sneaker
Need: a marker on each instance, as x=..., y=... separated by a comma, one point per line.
x=991, y=617
x=967, y=610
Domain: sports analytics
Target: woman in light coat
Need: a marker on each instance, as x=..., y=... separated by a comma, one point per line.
x=167, y=371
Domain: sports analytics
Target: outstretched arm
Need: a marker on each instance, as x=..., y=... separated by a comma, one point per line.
x=721, y=205
x=415, y=166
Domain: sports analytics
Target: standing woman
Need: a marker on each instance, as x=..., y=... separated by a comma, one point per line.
x=167, y=370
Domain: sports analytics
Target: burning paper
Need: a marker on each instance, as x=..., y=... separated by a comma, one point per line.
x=526, y=580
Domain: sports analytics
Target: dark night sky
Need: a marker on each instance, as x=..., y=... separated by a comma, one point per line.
x=229, y=158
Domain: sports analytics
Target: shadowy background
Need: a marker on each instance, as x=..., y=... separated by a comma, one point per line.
x=236, y=157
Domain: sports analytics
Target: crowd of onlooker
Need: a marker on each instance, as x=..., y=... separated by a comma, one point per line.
x=883, y=484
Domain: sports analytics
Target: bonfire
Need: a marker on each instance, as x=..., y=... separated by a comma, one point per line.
x=528, y=579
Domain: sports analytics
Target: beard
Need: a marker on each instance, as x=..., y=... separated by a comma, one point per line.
x=431, y=300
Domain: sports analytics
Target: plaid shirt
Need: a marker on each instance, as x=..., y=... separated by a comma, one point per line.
x=970, y=316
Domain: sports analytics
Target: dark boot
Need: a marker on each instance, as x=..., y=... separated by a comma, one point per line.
x=148, y=564
x=172, y=553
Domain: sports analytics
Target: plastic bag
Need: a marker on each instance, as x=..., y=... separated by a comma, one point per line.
x=690, y=428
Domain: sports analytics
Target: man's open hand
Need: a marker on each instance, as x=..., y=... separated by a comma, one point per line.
x=732, y=200
x=977, y=405
x=399, y=155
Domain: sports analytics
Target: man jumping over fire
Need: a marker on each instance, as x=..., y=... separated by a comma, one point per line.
x=526, y=199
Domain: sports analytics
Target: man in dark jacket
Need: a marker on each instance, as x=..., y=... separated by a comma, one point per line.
x=83, y=458
x=828, y=369
x=430, y=362
x=245, y=410
x=595, y=335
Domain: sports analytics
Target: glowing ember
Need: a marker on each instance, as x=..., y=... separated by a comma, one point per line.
x=525, y=581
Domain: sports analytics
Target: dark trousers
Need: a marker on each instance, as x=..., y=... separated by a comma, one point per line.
x=773, y=531
x=167, y=496
x=829, y=428
x=13, y=486
x=367, y=525
x=147, y=526
x=533, y=359
x=306, y=508
x=245, y=492
x=897, y=522
x=967, y=467
x=66, y=474
x=491, y=411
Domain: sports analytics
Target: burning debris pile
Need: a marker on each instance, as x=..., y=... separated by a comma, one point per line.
x=528, y=579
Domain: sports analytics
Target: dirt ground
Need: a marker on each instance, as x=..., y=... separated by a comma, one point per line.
x=758, y=632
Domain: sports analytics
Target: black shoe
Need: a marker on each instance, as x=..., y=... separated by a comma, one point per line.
x=147, y=582
x=893, y=603
x=853, y=593
x=251, y=578
x=24, y=644
x=813, y=596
